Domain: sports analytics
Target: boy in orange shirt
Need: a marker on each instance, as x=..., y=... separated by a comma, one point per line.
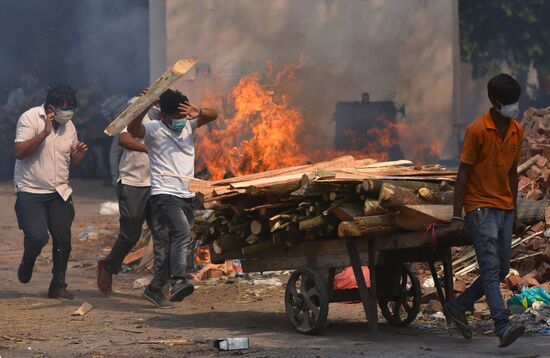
x=486, y=187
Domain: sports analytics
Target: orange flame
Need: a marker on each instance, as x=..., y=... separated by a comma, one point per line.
x=259, y=132
x=261, y=135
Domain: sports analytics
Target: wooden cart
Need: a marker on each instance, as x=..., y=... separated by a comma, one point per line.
x=393, y=286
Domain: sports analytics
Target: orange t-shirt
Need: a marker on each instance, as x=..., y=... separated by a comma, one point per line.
x=491, y=159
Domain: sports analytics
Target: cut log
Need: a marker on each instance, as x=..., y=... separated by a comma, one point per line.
x=262, y=246
x=418, y=217
x=257, y=227
x=409, y=184
x=365, y=222
x=372, y=207
x=226, y=243
x=311, y=223
x=137, y=107
x=394, y=197
x=347, y=211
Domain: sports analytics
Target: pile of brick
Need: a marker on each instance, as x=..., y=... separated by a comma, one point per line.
x=535, y=181
x=531, y=257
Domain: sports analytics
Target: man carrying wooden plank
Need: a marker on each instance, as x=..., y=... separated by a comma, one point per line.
x=46, y=144
x=133, y=191
x=171, y=156
x=487, y=187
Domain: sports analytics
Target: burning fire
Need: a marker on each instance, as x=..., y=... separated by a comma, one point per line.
x=260, y=132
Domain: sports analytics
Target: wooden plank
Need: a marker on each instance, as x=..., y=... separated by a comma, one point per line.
x=267, y=182
x=351, y=229
x=394, y=163
x=418, y=217
x=134, y=256
x=340, y=162
x=137, y=107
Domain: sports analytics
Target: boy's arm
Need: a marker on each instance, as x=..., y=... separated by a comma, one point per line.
x=136, y=127
x=459, y=193
x=127, y=141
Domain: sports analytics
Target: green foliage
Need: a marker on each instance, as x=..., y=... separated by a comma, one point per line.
x=515, y=33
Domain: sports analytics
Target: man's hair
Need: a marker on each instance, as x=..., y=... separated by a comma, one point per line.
x=59, y=95
x=170, y=100
x=504, y=89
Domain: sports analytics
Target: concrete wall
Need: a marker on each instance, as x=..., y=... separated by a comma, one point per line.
x=400, y=49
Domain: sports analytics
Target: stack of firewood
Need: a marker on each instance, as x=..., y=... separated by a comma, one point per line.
x=337, y=198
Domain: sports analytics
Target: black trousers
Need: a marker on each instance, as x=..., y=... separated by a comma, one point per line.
x=172, y=252
x=135, y=209
x=36, y=215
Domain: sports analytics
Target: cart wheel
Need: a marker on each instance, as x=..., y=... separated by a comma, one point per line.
x=306, y=301
x=403, y=309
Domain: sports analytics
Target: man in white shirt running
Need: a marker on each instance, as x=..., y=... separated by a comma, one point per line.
x=133, y=187
x=172, y=161
x=46, y=144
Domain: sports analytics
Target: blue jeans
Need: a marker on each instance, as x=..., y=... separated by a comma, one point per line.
x=171, y=251
x=490, y=230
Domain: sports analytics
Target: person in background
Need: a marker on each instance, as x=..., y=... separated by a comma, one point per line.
x=487, y=189
x=172, y=158
x=133, y=188
x=46, y=143
x=110, y=108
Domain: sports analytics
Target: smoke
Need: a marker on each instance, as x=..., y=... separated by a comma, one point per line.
x=113, y=46
x=98, y=45
x=399, y=50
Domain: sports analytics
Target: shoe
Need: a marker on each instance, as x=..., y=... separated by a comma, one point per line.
x=459, y=319
x=24, y=273
x=62, y=293
x=180, y=290
x=157, y=298
x=510, y=335
x=104, y=279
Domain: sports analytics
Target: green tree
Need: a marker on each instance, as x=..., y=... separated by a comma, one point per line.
x=515, y=33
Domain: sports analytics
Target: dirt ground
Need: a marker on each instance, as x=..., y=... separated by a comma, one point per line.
x=125, y=325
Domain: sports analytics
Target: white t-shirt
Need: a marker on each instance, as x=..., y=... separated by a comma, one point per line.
x=171, y=158
x=133, y=167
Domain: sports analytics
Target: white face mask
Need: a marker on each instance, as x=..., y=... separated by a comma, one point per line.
x=62, y=116
x=510, y=110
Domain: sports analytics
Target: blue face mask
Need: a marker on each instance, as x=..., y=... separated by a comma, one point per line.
x=178, y=124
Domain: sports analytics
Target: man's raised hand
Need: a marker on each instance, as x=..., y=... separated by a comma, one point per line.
x=48, y=125
x=189, y=110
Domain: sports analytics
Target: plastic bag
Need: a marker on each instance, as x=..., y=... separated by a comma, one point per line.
x=521, y=302
x=346, y=279
x=108, y=208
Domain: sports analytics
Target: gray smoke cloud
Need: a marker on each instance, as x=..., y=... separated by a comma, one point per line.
x=113, y=46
